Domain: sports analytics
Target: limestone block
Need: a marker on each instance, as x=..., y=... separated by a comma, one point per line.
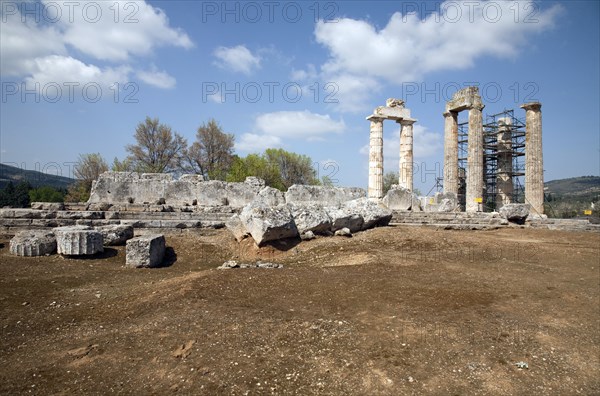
x=47, y=205
x=372, y=212
x=270, y=196
x=114, y=235
x=33, y=243
x=399, y=198
x=392, y=113
x=326, y=196
x=446, y=202
x=146, y=251
x=515, y=212
x=310, y=217
x=236, y=227
x=342, y=218
x=78, y=240
x=268, y=223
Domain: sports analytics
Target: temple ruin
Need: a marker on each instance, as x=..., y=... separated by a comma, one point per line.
x=393, y=110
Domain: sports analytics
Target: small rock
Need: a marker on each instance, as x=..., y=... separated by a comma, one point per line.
x=343, y=232
x=307, y=236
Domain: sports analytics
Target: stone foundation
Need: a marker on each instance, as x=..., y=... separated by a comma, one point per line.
x=147, y=251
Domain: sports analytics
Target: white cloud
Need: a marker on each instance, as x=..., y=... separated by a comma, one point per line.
x=42, y=51
x=58, y=69
x=138, y=29
x=255, y=143
x=297, y=124
x=408, y=48
x=270, y=129
x=159, y=79
x=238, y=59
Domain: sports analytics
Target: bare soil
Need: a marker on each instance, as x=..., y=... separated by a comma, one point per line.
x=395, y=310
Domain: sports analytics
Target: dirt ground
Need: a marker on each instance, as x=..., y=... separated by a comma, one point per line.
x=395, y=310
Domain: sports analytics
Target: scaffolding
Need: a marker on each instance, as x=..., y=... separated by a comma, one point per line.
x=515, y=128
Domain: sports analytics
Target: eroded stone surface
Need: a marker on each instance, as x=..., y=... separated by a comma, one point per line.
x=326, y=196
x=399, y=198
x=268, y=223
x=310, y=217
x=147, y=251
x=33, y=243
x=114, y=235
x=78, y=240
x=515, y=212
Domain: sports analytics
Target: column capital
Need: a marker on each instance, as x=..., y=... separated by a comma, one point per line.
x=535, y=106
x=406, y=121
x=375, y=118
x=450, y=113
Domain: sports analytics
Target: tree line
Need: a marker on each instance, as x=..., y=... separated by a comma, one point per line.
x=159, y=149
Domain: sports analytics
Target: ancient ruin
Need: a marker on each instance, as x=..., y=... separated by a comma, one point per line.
x=393, y=110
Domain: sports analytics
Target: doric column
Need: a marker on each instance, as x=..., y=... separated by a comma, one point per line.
x=376, y=158
x=474, y=197
x=406, y=154
x=504, y=180
x=451, y=152
x=534, y=164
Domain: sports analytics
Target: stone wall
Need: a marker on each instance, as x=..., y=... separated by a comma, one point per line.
x=158, y=188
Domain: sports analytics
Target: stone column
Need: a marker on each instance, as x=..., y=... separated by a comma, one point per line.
x=406, y=154
x=376, y=158
x=475, y=161
x=504, y=180
x=451, y=152
x=534, y=164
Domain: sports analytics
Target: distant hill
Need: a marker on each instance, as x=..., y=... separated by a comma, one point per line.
x=584, y=188
x=10, y=173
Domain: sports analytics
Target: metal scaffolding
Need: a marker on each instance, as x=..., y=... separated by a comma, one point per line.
x=515, y=128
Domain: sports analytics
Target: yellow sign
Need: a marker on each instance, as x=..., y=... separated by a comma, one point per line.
x=431, y=201
x=479, y=200
x=587, y=212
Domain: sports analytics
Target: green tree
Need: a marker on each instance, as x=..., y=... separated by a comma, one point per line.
x=278, y=168
x=46, y=194
x=122, y=166
x=211, y=155
x=15, y=196
x=389, y=178
x=293, y=168
x=157, y=148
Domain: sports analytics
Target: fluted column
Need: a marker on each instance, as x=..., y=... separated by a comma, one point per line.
x=475, y=161
x=376, y=158
x=504, y=180
x=451, y=152
x=534, y=164
x=406, y=154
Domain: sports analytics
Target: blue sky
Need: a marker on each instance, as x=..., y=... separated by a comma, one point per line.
x=77, y=77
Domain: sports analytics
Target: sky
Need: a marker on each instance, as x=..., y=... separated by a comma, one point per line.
x=77, y=76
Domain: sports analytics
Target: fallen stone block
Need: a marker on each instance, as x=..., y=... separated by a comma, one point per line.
x=310, y=217
x=266, y=223
x=515, y=212
x=399, y=198
x=236, y=227
x=78, y=240
x=270, y=196
x=146, y=251
x=372, y=213
x=342, y=218
x=115, y=235
x=307, y=236
x=33, y=243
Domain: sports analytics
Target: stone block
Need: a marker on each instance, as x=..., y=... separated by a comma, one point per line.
x=33, y=243
x=236, y=227
x=48, y=206
x=515, y=212
x=325, y=196
x=372, y=213
x=146, y=251
x=78, y=240
x=115, y=235
x=310, y=217
x=342, y=218
x=399, y=198
x=268, y=223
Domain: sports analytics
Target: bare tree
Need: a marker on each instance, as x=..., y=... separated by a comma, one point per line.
x=86, y=170
x=158, y=150
x=211, y=155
